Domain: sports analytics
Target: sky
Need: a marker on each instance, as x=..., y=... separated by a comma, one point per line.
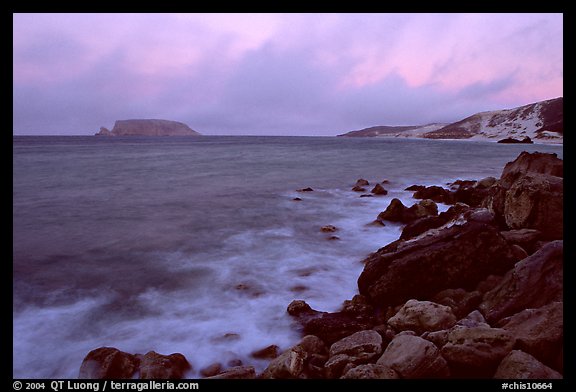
x=277, y=74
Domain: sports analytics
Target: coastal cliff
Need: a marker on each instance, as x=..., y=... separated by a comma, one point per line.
x=148, y=127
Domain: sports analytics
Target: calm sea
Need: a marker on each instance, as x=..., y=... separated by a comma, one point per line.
x=195, y=245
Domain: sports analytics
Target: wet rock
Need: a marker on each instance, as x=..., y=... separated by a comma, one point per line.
x=536, y=162
x=536, y=202
x=435, y=193
x=459, y=300
x=268, y=352
x=533, y=282
x=526, y=238
x=362, y=182
x=297, y=199
x=328, y=229
x=308, y=189
x=379, y=190
x=398, y=212
x=520, y=365
x=486, y=182
x=458, y=256
x=359, y=188
x=211, y=370
x=482, y=215
x=237, y=372
x=299, y=307
x=539, y=332
x=424, y=224
x=331, y=327
x=415, y=188
x=165, y=367
x=414, y=357
x=358, y=305
x=108, y=363
x=529, y=194
x=361, y=346
x=371, y=371
x=422, y=316
x=290, y=364
x=476, y=351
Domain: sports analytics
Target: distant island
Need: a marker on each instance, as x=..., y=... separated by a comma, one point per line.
x=541, y=121
x=148, y=127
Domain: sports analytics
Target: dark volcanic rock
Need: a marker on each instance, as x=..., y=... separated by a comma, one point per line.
x=435, y=193
x=331, y=327
x=108, y=363
x=398, y=212
x=379, y=190
x=459, y=256
x=532, y=283
x=426, y=223
x=362, y=182
x=268, y=352
x=166, y=367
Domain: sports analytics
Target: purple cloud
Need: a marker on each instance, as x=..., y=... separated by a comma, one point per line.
x=305, y=74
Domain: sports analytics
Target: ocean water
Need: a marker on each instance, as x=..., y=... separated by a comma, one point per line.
x=195, y=245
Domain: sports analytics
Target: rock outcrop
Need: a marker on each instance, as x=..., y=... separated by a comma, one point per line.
x=148, y=127
x=529, y=195
x=456, y=257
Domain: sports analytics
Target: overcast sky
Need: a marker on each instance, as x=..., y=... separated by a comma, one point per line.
x=278, y=74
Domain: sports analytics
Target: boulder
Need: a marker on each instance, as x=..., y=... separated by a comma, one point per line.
x=379, y=190
x=359, y=188
x=422, y=316
x=435, y=193
x=398, y=212
x=290, y=364
x=526, y=238
x=362, y=182
x=529, y=194
x=536, y=202
x=268, y=352
x=361, y=346
x=426, y=223
x=539, y=332
x=533, y=282
x=211, y=370
x=486, y=182
x=520, y=365
x=415, y=188
x=459, y=300
x=307, y=189
x=526, y=162
x=371, y=371
x=237, y=372
x=331, y=327
x=328, y=229
x=457, y=256
x=358, y=306
x=414, y=357
x=476, y=351
x=108, y=363
x=165, y=367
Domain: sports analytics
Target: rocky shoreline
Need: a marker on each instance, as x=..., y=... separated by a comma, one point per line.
x=473, y=292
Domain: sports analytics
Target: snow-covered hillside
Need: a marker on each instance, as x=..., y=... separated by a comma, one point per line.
x=541, y=121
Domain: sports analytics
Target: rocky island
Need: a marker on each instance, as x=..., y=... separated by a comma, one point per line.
x=473, y=292
x=148, y=127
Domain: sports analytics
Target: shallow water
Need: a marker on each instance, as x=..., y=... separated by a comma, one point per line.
x=195, y=245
